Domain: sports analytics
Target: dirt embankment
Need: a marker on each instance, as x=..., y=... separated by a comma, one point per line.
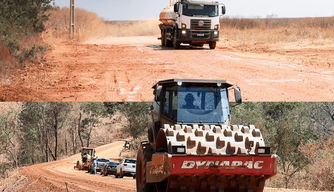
x=125, y=68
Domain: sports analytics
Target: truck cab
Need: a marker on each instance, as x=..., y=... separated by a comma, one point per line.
x=194, y=22
x=191, y=101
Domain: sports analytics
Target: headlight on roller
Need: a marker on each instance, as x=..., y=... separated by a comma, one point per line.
x=178, y=150
x=262, y=150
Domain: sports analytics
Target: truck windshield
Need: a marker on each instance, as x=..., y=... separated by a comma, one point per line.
x=193, y=9
x=202, y=104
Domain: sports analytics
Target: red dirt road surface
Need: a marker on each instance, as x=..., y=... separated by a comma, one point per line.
x=60, y=176
x=125, y=68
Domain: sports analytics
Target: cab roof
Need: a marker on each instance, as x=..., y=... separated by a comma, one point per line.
x=194, y=82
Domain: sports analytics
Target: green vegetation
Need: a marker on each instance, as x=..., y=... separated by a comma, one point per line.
x=21, y=19
x=287, y=128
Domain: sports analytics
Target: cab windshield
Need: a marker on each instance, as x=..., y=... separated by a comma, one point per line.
x=202, y=104
x=193, y=9
x=87, y=151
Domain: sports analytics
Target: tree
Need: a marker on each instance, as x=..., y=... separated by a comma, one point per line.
x=34, y=142
x=139, y=117
x=40, y=123
x=94, y=111
x=285, y=127
x=20, y=18
x=323, y=115
x=57, y=114
x=9, y=132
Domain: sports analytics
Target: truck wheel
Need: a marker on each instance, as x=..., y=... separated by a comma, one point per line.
x=144, y=155
x=79, y=165
x=163, y=38
x=176, y=43
x=212, y=45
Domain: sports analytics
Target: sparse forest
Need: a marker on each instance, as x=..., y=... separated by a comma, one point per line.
x=36, y=132
x=301, y=134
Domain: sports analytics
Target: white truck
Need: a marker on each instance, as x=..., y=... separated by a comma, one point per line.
x=193, y=22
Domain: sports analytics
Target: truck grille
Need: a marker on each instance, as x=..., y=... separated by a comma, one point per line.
x=200, y=34
x=195, y=24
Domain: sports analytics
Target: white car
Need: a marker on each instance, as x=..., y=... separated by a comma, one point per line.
x=126, y=168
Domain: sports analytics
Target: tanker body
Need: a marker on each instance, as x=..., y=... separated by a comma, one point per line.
x=193, y=22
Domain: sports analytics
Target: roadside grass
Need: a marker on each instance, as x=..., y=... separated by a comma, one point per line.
x=244, y=34
x=89, y=25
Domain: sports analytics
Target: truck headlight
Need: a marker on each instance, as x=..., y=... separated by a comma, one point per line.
x=184, y=26
x=215, y=33
x=216, y=27
x=184, y=32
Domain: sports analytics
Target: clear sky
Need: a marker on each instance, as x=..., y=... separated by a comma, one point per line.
x=150, y=9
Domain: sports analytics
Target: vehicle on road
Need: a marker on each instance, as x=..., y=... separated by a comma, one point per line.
x=127, y=144
x=193, y=22
x=87, y=154
x=100, y=162
x=193, y=147
x=109, y=168
x=126, y=168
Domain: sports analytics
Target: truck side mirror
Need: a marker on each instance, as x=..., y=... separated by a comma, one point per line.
x=237, y=95
x=223, y=10
x=176, y=8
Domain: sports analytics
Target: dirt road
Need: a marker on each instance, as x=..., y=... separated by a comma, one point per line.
x=60, y=175
x=125, y=68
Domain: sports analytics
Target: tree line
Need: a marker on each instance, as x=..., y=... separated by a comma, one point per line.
x=296, y=132
x=36, y=132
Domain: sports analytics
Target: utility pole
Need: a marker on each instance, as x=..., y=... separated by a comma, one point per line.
x=72, y=19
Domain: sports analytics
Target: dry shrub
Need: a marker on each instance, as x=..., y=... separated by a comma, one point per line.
x=8, y=65
x=13, y=182
x=136, y=143
x=89, y=25
x=320, y=174
x=31, y=49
